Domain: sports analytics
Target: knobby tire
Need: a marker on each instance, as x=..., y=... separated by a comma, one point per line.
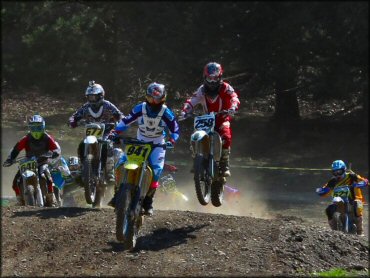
x=88, y=181
x=202, y=180
x=125, y=222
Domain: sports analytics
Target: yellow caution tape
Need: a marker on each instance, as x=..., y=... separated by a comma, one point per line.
x=258, y=167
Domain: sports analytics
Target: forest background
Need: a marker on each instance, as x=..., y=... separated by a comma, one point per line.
x=304, y=50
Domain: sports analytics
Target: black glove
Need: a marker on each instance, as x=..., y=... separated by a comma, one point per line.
x=8, y=162
x=54, y=155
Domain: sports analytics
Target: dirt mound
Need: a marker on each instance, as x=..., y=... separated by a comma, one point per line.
x=81, y=242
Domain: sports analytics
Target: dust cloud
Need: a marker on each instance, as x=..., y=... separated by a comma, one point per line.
x=242, y=203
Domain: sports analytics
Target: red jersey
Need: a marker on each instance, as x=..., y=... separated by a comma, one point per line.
x=226, y=99
x=35, y=147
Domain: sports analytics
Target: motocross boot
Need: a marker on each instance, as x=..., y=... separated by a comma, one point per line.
x=360, y=227
x=112, y=202
x=110, y=169
x=20, y=201
x=148, y=202
x=224, y=162
x=192, y=156
x=50, y=200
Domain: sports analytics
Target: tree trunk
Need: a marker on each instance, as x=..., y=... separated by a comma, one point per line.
x=286, y=119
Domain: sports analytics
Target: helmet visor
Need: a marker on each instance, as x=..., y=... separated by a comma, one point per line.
x=92, y=98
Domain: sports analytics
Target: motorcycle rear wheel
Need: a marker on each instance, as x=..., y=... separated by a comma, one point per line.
x=217, y=193
x=202, y=180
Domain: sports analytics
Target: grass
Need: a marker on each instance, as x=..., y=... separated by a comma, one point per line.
x=338, y=272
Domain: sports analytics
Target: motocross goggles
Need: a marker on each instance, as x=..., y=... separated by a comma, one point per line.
x=212, y=79
x=93, y=98
x=153, y=100
x=338, y=172
x=37, y=128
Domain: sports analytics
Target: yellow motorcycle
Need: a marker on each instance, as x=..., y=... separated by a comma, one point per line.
x=133, y=175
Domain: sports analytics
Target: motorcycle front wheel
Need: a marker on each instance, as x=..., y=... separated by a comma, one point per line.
x=89, y=181
x=125, y=218
x=202, y=179
x=338, y=221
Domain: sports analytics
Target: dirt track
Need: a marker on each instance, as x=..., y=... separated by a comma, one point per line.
x=81, y=242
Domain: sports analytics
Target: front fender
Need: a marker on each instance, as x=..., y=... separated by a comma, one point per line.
x=28, y=174
x=90, y=139
x=130, y=166
x=337, y=200
x=198, y=135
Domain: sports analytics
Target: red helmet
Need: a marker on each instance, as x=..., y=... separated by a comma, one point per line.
x=212, y=75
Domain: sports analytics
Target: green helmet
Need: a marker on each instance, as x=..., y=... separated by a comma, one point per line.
x=36, y=125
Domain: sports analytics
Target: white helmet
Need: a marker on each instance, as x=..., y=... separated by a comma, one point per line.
x=95, y=94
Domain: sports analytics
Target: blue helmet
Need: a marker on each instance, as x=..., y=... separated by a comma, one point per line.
x=338, y=165
x=338, y=168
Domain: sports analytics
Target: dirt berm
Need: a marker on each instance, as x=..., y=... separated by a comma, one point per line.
x=76, y=241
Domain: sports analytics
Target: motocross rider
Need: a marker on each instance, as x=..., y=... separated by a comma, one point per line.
x=153, y=116
x=36, y=143
x=97, y=109
x=343, y=176
x=215, y=95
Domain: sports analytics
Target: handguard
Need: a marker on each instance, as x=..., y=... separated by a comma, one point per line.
x=360, y=184
x=322, y=191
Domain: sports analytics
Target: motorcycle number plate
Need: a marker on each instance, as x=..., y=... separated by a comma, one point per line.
x=137, y=153
x=204, y=122
x=28, y=165
x=341, y=192
x=94, y=131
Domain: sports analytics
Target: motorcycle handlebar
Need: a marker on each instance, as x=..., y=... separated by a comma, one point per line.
x=192, y=115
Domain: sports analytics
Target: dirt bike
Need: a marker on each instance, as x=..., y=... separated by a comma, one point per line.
x=168, y=186
x=206, y=145
x=63, y=178
x=33, y=189
x=344, y=215
x=133, y=175
x=93, y=174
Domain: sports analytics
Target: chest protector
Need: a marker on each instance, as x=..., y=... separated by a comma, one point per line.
x=37, y=147
x=95, y=116
x=150, y=127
